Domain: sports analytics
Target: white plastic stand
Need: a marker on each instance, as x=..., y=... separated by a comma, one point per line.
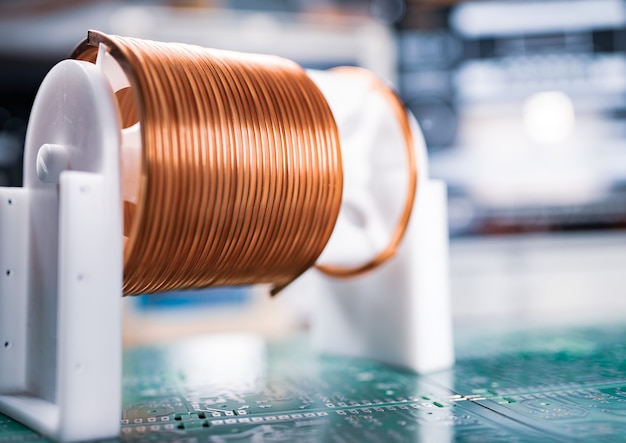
x=61, y=261
x=61, y=256
x=399, y=313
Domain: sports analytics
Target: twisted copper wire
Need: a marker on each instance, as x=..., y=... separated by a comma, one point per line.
x=402, y=224
x=241, y=174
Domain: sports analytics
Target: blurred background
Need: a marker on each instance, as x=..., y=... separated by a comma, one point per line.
x=522, y=104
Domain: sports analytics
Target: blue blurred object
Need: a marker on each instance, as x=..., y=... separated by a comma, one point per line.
x=194, y=298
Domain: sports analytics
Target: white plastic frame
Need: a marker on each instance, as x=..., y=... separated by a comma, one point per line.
x=61, y=256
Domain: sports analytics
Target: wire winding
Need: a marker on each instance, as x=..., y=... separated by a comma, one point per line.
x=241, y=174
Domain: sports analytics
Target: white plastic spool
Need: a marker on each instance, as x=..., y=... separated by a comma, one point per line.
x=61, y=262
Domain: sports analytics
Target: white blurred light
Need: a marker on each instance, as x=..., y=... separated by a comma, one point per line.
x=220, y=360
x=548, y=117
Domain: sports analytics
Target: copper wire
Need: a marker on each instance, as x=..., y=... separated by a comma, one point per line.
x=241, y=174
x=402, y=224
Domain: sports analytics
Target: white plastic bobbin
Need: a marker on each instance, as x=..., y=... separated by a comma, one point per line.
x=61, y=257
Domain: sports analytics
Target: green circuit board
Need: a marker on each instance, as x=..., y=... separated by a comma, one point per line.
x=544, y=385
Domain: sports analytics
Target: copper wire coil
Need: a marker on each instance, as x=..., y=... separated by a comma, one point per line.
x=241, y=174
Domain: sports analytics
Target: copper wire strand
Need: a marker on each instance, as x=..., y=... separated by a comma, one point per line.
x=136, y=228
x=178, y=158
x=397, y=234
x=221, y=135
x=283, y=163
x=285, y=107
x=200, y=251
x=253, y=237
x=194, y=163
x=185, y=251
x=243, y=188
x=159, y=198
x=241, y=174
x=234, y=232
x=282, y=109
x=191, y=258
x=313, y=192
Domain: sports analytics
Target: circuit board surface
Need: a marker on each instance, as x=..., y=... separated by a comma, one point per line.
x=544, y=385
